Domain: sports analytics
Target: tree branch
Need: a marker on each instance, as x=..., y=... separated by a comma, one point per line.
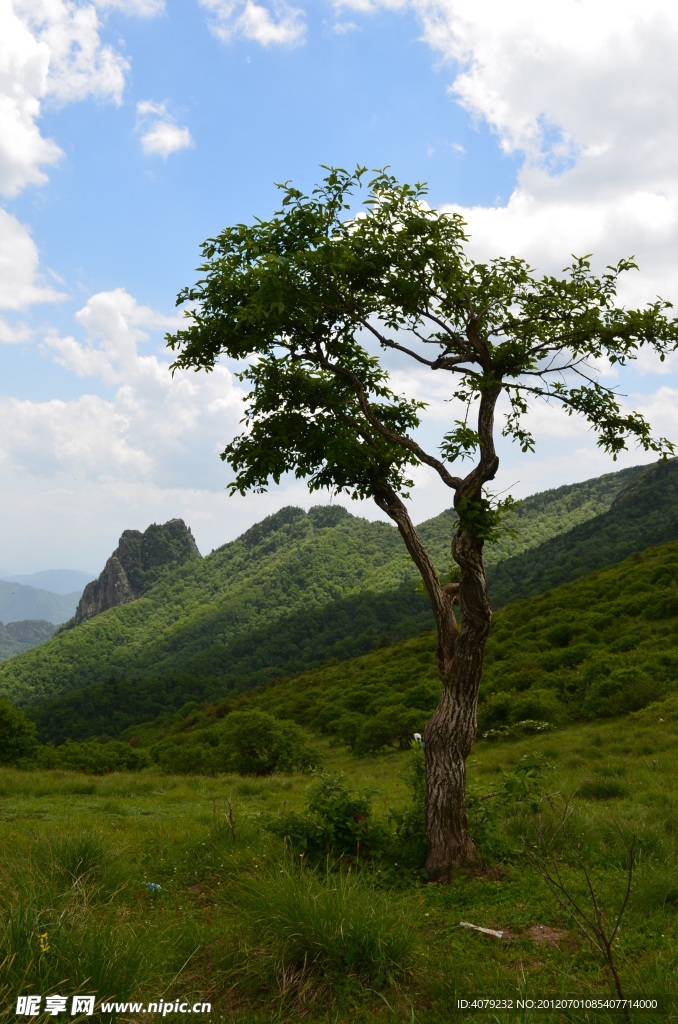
x=400, y=439
x=442, y=598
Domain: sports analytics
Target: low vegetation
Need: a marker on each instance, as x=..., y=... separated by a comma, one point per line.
x=135, y=886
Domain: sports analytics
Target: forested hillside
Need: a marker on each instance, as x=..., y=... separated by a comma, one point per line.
x=602, y=646
x=644, y=512
x=17, y=637
x=294, y=591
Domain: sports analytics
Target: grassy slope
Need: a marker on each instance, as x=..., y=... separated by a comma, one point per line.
x=243, y=927
x=286, y=594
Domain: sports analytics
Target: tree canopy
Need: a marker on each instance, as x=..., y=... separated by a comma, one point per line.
x=298, y=295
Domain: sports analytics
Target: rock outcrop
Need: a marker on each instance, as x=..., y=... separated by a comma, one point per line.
x=135, y=565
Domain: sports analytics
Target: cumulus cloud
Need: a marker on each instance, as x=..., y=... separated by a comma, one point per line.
x=13, y=334
x=52, y=50
x=24, y=65
x=20, y=281
x=79, y=64
x=160, y=135
x=138, y=446
x=588, y=95
x=370, y=6
x=277, y=24
x=171, y=427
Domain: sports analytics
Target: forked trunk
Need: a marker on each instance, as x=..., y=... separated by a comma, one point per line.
x=451, y=731
x=450, y=734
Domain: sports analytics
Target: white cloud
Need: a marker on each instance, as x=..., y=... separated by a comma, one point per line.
x=588, y=94
x=24, y=65
x=140, y=8
x=52, y=50
x=13, y=334
x=160, y=135
x=370, y=6
x=20, y=281
x=277, y=24
x=164, y=138
x=80, y=64
x=156, y=426
x=342, y=28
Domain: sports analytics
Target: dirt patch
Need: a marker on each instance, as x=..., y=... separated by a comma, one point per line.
x=546, y=936
x=539, y=933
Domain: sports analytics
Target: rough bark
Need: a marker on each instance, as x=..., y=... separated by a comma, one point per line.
x=451, y=732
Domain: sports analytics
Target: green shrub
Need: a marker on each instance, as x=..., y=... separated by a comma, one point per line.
x=392, y=726
x=17, y=734
x=320, y=929
x=561, y=635
x=598, y=788
x=538, y=704
x=665, y=607
x=495, y=712
x=410, y=823
x=93, y=757
x=336, y=823
x=259, y=744
x=348, y=727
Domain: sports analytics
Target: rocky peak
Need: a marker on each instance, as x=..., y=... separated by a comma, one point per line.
x=135, y=565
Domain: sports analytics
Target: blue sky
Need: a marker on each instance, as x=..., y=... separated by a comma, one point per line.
x=131, y=130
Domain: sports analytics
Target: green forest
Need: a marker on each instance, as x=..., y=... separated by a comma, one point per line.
x=287, y=595
x=602, y=645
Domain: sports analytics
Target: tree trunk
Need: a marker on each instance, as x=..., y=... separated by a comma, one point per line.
x=451, y=731
x=450, y=734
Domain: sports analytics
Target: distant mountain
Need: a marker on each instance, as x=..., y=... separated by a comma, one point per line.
x=58, y=581
x=17, y=637
x=19, y=602
x=296, y=590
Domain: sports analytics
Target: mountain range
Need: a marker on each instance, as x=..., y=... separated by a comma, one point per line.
x=58, y=581
x=301, y=589
x=18, y=601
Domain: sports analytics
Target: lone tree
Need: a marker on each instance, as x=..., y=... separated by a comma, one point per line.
x=299, y=295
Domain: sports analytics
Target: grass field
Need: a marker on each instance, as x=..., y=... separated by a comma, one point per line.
x=131, y=887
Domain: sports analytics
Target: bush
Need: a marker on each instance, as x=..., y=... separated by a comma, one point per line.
x=538, y=704
x=17, y=734
x=259, y=744
x=392, y=726
x=495, y=712
x=316, y=930
x=410, y=824
x=348, y=727
x=94, y=757
x=336, y=824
